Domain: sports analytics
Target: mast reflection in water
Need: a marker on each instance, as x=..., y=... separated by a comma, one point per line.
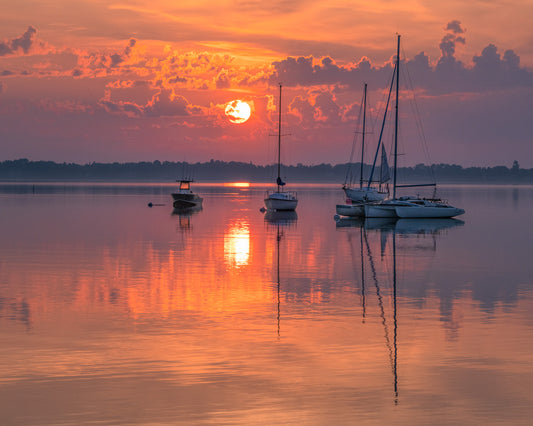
x=390, y=227
x=230, y=316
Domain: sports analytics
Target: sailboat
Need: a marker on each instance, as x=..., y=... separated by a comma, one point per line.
x=363, y=193
x=408, y=207
x=279, y=199
x=367, y=194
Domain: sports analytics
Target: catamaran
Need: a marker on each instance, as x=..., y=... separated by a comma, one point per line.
x=408, y=207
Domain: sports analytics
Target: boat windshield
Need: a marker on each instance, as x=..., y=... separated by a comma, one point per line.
x=185, y=185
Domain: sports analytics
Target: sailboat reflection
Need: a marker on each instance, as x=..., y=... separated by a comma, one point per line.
x=281, y=220
x=281, y=217
x=184, y=215
x=389, y=227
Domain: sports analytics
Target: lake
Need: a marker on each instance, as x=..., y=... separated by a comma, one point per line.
x=112, y=312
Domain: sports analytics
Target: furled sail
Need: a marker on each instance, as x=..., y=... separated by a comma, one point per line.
x=385, y=171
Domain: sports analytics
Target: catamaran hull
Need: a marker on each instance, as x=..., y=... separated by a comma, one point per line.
x=380, y=210
x=351, y=210
x=359, y=195
x=428, y=212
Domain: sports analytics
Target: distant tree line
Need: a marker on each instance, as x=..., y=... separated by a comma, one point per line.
x=220, y=171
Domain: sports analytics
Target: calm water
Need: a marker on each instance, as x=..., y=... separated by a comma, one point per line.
x=112, y=312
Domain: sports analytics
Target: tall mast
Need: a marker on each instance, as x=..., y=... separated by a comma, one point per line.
x=396, y=120
x=279, y=137
x=363, y=140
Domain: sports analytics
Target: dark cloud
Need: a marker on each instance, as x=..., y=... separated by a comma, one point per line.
x=447, y=44
x=19, y=45
x=455, y=27
x=223, y=80
x=162, y=104
x=302, y=72
x=488, y=71
x=111, y=63
x=165, y=104
x=117, y=59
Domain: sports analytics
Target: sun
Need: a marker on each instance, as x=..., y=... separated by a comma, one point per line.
x=238, y=111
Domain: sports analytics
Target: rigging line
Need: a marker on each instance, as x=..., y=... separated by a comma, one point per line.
x=382, y=127
x=349, y=173
x=418, y=120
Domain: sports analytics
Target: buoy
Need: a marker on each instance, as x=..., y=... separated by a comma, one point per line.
x=150, y=204
x=337, y=218
x=262, y=210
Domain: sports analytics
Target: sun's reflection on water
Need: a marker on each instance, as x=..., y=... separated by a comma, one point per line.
x=237, y=245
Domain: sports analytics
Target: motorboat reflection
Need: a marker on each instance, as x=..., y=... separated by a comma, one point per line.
x=184, y=215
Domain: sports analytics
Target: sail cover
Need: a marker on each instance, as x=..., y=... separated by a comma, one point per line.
x=280, y=182
x=385, y=172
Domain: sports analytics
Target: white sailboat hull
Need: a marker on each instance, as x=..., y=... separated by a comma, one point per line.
x=359, y=195
x=281, y=201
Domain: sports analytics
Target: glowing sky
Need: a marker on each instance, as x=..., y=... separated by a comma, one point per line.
x=149, y=80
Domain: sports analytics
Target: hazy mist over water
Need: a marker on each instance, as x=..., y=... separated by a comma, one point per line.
x=112, y=312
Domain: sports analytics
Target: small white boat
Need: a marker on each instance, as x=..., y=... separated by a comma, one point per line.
x=184, y=197
x=279, y=199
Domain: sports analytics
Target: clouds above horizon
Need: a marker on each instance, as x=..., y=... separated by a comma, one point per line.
x=177, y=91
x=488, y=71
x=22, y=45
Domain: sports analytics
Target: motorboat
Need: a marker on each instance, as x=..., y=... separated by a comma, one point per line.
x=185, y=197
